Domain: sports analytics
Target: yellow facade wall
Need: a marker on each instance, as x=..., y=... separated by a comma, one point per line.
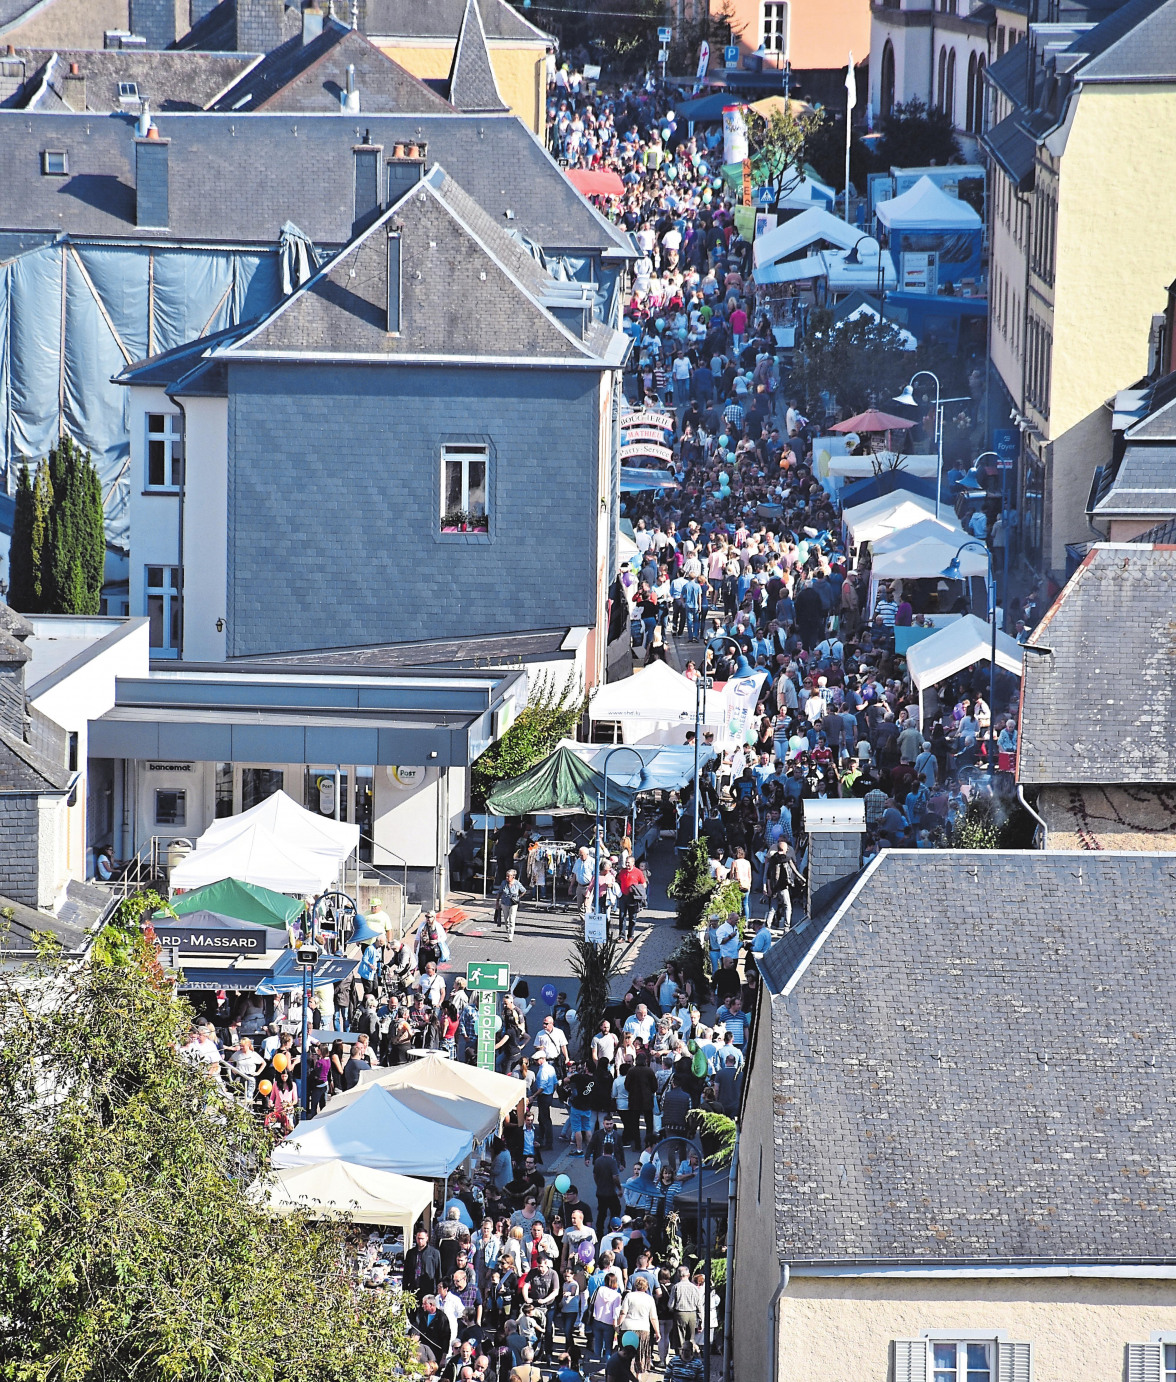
x=1114, y=252
x=833, y=1329
x=520, y=71
x=822, y=33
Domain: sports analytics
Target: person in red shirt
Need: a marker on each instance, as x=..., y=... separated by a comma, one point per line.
x=634, y=895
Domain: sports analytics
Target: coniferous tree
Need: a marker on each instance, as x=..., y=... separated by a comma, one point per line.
x=20, y=557
x=39, y=555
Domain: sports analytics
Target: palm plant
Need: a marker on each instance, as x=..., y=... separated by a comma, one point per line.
x=595, y=966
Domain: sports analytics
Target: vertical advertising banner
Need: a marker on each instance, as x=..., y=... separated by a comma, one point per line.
x=739, y=701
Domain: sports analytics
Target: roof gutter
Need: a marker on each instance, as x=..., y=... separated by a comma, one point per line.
x=774, y=1314
x=1039, y=819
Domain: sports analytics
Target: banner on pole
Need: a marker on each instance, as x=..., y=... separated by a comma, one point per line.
x=739, y=701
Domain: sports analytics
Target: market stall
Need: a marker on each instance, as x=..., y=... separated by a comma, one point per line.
x=332, y=1189
x=381, y=1132
x=886, y=514
x=433, y=1071
x=962, y=643
x=924, y=560
x=926, y=221
x=658, y=698
x=232, y=898
x=561, y=785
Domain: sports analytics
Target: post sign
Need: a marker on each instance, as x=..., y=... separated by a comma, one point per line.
x=731, y=55
x=595, y=927
x=485, y=974
x=486, y=1033
x=920, y=273
x=1006, y=442
x=747, y=182
x=664, y=34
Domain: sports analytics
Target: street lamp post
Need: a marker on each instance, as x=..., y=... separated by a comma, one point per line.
x=1004, y=513
x=953, y=573
x=907, y=397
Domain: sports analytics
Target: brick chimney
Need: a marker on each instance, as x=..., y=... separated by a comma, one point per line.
x=73, y=88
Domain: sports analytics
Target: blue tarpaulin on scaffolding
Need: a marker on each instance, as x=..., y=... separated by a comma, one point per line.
x=74, y=313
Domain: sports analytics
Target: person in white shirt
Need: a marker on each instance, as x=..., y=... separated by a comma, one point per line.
x=641, y=1024
x=604, y=1044
x=551, y=1041
x=431, y=984
x=730, y=936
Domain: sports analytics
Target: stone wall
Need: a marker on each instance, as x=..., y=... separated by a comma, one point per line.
x=19, y=848
x=832, y=855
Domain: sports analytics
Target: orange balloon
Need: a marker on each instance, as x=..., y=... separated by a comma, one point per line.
x=281, y=1061
x=265, y=1087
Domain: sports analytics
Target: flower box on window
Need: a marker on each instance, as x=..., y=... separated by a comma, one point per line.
x=463, y=521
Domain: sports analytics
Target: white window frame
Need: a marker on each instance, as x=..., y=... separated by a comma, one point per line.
x=171, y=438
x=960, y=1372
x=128, y=93
x=463, y=454
x=775, y=31
x=168, y=591
x=55, y=163
x=1148, y=1362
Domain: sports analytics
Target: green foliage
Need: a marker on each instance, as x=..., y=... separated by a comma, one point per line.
x=978, y=827
x=622, y=38
x=717, y=1133
x=59, y=543
x=780, y=144
x=549, y=716
x=858, y=361
x=826, y=153
x=120, y=939
x=693, y=961
x=131, y=1251
x=916, y=136
x=595, y=966
x=693, y=886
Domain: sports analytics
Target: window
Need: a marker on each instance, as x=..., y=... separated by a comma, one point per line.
x=55, y=163
x=886, y=101
x=1000, y=40
x=942, y=85
x=128, y=92
x=775, y=26
x=171, y=807
x=1152, y=1362
x=964, y=1362
x=949, y=96
x=165, y=450
x=258, y=784
x=163, y=610
x=224, y=791
x=463, y=489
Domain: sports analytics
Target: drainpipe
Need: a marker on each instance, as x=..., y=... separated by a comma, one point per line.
x=774, y=1317
x=1040, y=821
x=727, y=1291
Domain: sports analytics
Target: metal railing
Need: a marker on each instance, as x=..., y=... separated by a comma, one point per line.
x=143, y=869
x=384, y=874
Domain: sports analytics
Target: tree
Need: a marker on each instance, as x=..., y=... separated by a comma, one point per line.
x=131, y=1250
x=693, y=885
x=859, y=361
x=39, y=558
x=826, y=153
x=915, y=135
x=548, y=717
x=595, y=966
x=779, y=144
x=20, y=561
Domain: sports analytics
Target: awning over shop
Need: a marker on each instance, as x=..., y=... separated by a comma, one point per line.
x=244, y=977
x=327, y=1189
x=232, y=898
x=286, y=975
x=561, y=785
x=596, y=182
x=379, y=1131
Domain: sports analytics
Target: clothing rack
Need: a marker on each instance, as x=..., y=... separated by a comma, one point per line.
x=556, y=856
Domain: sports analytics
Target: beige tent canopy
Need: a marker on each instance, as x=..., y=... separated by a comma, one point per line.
x=481, y=1098
x=328, y=1189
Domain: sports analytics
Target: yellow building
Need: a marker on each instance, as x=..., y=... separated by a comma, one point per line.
x=954, y=1160
x=1082, y=123
x=425, y=37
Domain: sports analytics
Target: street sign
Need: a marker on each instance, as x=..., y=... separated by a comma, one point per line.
x=595, y=927
x=1006, y=442
x=664, y=35
x=484, y=974
x=731, y=55
x=663, y=55
x=486, y=1033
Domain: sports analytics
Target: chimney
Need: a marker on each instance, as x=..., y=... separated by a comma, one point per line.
x=155, y=20
x=260, y=26
x=394, y=282
x=312, y=24
x=73, y=88
x=367, y=182
x=406, y=168
x=199, y=9
x=835, y=829
x=349, y=99
x=151, y=194
x=12, y=74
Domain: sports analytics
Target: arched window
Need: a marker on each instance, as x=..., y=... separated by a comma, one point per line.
x=942, y=79
x=970, y=118
x=886, y=95
x=978, y=127
x=949, y=101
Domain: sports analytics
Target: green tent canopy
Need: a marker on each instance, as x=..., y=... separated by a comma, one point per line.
x=244, y=901
x=561, y=785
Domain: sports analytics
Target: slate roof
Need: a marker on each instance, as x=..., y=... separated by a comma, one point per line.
x=1101, y=708
x=217, y=31
x=1014, y=148
x=82, y=907
x=14, y=623
x=169, y=81
x=1135, y=43
x=485, y=650
x=28, y=767
x=442, y=19
x=310, y=77
x=1144, y=484
x=472, y=84
x=468, y=290
x=1160, y=422
x=958, y=1075
x=237, y=179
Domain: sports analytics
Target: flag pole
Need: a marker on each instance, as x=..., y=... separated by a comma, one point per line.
x=850, y=102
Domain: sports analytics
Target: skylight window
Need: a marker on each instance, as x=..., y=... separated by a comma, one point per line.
x=128, y=92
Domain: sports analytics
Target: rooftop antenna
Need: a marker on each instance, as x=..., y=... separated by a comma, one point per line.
x=355, y=14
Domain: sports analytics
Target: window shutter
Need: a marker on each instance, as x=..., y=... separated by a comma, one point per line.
x=910, y=1360
x=1014, y=1363
x=1145, y=1363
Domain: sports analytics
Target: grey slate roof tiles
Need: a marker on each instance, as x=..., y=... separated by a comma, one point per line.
x=1145, y=482
x=1101, y=708
x=168, y=80
x=962, y=1074
x=472, y=85
x=1136, y=42
x=442, y=19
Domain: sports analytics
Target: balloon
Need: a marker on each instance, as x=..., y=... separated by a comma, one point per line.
x=629, y=1339
x=724, y=440
x=660, y=323
x=281, y=1061
x=586, y=1253
x=548, y=993
x=724, y=478
x=563, y=1184
x=571, y=1014
x=265, y=1087
x=497, y=1023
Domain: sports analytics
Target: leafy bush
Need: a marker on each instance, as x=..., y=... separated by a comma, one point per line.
x=977, y=828
x=549, y=716
x=693, y=887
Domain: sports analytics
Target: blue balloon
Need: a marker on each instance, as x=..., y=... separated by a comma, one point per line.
x=660, y=323
x=548, y=992
x=723, y=440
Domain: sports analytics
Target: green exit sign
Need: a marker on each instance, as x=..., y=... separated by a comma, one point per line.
x=486, y=975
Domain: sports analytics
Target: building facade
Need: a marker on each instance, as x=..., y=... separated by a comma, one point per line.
x=809, y=35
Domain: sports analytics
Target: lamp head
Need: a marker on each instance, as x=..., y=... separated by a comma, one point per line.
x=907, y=396
x=952, y=572
x=853, y=257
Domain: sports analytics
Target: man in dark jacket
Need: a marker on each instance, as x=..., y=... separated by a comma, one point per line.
x=641, y=1083
x=422, y=1267
x=780, y=874
x=433, y=1325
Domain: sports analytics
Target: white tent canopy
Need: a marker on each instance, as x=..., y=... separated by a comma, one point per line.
x=863, y=467
x=257, y=857
x=666, y=766
x=927, y=207
x=945, y=529
x=379, y=1131
x=293, y=824
x=437, y=1072
x=957, y=645
x=809, y=228
x=326, y=1189
x=884, y=514
x=656, y=693
x=929, y=557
